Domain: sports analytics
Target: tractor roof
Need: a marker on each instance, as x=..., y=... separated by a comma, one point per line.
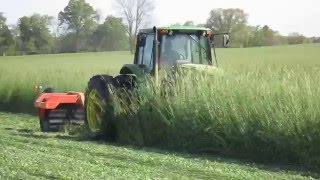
x=195, y=28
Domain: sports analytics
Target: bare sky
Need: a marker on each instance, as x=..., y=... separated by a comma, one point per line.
x=284, y=16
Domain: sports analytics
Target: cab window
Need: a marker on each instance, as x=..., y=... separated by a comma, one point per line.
x=145, y=51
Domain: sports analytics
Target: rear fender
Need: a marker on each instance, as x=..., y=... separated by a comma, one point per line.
x=137, y=70
x=125, y=80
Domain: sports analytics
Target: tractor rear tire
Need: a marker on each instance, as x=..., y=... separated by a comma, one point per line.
x=99, y=110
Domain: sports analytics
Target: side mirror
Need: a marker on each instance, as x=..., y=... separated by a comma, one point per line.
x=226, y=40
x=142, y=40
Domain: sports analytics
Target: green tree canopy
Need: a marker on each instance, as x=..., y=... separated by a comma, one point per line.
x=297, y=38
x=80, y=18
x=255, y=36
x=176, y=24
x=230, y=20
x=2, y=19
x=35, y=34
x=227, y=20
x=6, y=38
x=189, y=23
x=111, y=35
x=265, y=36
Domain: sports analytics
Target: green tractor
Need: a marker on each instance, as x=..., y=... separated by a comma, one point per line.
x=156, y=49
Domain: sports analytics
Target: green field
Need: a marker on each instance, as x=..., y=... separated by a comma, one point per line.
x=71, y=72
x=66, y=72
x=28, y=154
x=265, y=107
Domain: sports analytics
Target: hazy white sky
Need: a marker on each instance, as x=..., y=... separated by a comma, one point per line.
x=284, y=16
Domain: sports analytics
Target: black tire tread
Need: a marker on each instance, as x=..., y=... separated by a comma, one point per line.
x=101, y=83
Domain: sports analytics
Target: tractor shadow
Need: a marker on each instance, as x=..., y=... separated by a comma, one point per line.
x=25, y=130
x=20, y=110
x=275, y=167
x=20, y=131
x=33, y=134
x=232, y=160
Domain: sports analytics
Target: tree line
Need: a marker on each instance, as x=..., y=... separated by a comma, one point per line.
x=235, y=21
x=80, y=29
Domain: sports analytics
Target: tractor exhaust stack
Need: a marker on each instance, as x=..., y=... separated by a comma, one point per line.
x=155, y=56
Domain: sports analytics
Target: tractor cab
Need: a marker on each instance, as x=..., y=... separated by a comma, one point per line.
x=168, y=46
